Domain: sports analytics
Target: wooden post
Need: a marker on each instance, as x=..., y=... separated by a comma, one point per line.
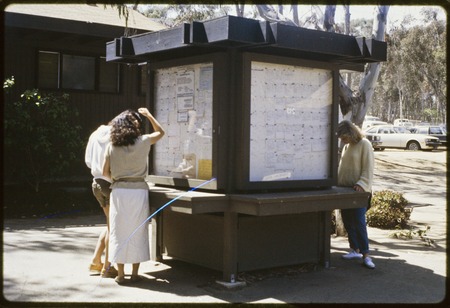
x=325, y=228
x=230, y=243
x=157, y=242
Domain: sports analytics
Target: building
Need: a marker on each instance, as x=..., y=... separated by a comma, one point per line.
x=62, y=48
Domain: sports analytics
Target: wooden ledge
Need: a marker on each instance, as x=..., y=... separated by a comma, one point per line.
x=189, y=202
x=298, y=202
x=282, y=203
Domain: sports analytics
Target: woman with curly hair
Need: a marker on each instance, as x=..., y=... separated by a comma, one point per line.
x=126, y=164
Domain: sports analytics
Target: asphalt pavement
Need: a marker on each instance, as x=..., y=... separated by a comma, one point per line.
x=46, y=261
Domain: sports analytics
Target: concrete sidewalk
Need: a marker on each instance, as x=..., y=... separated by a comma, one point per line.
x=46, y=261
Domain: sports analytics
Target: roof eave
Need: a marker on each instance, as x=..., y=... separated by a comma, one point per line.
x=34, y=22
x=252, y=35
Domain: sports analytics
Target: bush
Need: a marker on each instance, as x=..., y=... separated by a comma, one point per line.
x=41, y=137
x=388, y=210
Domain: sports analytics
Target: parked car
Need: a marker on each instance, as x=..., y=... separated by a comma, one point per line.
x=371, y=118
x=385, y=136
x=367, y=124
x=436, y=131
x=402, y=129
x=403, y=122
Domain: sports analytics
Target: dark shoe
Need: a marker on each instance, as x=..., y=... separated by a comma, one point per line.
x=120, y=280
x=136, y=278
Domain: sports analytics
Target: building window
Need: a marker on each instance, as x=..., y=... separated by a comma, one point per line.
x=48, y=70
x=78, y=72
x=66, y=71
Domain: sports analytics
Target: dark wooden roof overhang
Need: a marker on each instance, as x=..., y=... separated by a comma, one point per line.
x=24, y=26
x=196, y=38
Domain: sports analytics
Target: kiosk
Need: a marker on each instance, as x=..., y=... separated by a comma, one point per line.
x=253, y=105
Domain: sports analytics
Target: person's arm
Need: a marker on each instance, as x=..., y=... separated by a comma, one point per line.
x=158, y=130
x=107, y=163
x=88, y=153
x=367, y=165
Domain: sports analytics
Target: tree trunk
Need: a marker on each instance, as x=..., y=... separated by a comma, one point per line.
x=270, y=14
x=348, y=77
x=358, y=103
x=347, y=20
x=295, y=14
x=328, y=20
x=340, y=229
x=239, y=10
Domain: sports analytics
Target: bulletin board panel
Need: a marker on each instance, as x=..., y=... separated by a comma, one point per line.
x=291, y=119
x=182, y=101
x=290, y=122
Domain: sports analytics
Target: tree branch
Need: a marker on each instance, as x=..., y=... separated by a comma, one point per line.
x=328, y=20
x=270, y=14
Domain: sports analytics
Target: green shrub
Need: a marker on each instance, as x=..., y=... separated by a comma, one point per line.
x=41, y=137
x=387, y=210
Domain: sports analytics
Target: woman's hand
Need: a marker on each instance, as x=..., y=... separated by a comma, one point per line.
x=144, y=112
x=158, y=130
x=358, y=188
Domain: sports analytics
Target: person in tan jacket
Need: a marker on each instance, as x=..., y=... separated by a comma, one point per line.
x=356, y=170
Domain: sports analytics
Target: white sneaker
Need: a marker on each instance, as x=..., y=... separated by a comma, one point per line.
x=368, y=263
x=352, y=255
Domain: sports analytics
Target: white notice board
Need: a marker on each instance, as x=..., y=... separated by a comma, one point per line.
x=183, y=106
x=290, y=122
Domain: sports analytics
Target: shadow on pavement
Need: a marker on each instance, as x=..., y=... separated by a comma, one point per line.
x=47, y=262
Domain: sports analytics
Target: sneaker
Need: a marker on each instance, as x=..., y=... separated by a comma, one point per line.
x=368, y=263
x=95, y=269
x=352, y=255
x=110, y=272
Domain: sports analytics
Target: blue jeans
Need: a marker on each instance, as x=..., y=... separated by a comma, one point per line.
x=355, y=223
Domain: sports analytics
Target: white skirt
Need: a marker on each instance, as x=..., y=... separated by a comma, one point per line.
x=129, y=240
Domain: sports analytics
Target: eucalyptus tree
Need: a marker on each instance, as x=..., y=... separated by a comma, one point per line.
x=240, y=9
x=174, y=14
x=354, y=104
x=427, y=55
x=413, y=82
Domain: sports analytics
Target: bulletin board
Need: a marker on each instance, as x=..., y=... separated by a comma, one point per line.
x=183, y=104
x=290, y=122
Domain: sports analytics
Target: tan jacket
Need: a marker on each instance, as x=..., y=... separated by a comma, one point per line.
x=356, y=165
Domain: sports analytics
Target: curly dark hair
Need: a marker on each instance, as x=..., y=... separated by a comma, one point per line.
x=126, y=128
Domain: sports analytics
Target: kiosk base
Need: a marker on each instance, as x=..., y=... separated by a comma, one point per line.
x=248, y=232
